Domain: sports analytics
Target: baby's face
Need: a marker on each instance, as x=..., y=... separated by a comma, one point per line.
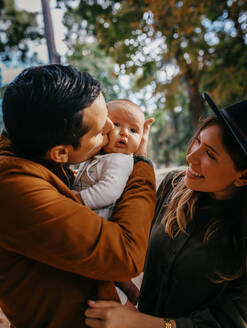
x=127, y=132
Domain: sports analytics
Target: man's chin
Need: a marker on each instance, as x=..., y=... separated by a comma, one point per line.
x=105, y=149
x=98, y=151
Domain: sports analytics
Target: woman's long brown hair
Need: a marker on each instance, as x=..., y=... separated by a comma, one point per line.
x=182, y=206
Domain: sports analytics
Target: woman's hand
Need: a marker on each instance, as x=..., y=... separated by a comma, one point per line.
x=142, y=150
x=109, y=314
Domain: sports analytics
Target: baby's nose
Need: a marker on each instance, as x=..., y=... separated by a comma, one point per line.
x=124, y=132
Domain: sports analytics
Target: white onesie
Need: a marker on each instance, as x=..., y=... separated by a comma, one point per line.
x=102, y=179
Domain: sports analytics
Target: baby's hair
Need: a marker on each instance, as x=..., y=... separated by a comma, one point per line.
x=124, y=103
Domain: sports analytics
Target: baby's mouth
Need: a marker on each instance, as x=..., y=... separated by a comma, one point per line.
x=123, y=141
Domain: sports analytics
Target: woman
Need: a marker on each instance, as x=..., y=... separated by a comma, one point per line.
x=196, y=267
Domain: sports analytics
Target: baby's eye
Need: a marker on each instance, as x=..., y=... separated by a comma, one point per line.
x=133, y=130
x=116, y=124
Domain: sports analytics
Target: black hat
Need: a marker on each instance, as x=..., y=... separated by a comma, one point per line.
x=234, y=117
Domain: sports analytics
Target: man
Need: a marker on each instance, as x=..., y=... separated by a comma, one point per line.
x=56, y=253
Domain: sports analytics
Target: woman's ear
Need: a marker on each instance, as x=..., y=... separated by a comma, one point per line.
x=241, y=181
x=58, y=154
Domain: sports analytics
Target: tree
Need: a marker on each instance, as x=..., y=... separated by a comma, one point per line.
x=18, y=29
x=226, y=74
x=191, y=37
x=1, y=116
x=91, y=58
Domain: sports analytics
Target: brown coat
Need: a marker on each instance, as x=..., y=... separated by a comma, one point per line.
x=56, y=253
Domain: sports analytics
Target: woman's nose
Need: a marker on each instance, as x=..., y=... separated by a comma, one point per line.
x=193, y=156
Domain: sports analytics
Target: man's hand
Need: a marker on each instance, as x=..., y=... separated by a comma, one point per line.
x=78, y=196
x=130, y=289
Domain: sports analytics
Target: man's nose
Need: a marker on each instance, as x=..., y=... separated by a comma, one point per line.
x=108, y=126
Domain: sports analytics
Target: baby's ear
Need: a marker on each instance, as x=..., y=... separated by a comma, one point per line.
x=241, y=181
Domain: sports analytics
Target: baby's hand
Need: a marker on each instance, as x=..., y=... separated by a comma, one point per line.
x=142, y=150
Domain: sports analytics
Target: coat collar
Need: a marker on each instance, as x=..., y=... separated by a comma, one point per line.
x=62, y=171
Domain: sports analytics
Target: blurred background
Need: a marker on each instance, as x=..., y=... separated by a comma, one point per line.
x=160, y=54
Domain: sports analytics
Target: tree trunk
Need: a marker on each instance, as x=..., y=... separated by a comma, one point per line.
x=174, y=124
x=195, y=99
x=154, y=148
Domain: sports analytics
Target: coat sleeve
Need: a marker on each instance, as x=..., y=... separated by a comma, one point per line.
x=112, y=178
x=41, y=223
x=227, y=314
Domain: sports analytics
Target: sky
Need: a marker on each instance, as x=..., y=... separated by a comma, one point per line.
x=59, y=31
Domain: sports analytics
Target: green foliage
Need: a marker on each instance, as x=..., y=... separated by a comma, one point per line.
x=1, y=115
x=91, y=58
x=171, y=133
x=18, y=28
x=126, y=27
x=183, y=47
x=226, y=74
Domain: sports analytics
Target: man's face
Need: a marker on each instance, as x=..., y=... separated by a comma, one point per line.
x=96, y=119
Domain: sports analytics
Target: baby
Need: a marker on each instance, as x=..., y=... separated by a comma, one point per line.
x=100, y=181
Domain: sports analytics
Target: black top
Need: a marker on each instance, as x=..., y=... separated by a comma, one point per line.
x=178, y=272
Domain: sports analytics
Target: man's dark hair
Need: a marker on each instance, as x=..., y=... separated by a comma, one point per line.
x=43, y=107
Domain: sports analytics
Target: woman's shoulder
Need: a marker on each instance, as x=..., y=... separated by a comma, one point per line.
x=171, y=179
x=165, y=188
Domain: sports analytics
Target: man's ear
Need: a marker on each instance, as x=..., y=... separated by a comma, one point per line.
x=241, y=181
x=58, y=154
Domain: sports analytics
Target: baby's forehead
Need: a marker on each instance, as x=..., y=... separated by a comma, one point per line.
x=123, y=109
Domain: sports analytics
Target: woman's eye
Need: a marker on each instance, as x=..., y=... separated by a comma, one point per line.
x=210, y=155
x=116, y=124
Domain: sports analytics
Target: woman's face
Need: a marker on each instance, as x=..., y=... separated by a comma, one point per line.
x=210, y=167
